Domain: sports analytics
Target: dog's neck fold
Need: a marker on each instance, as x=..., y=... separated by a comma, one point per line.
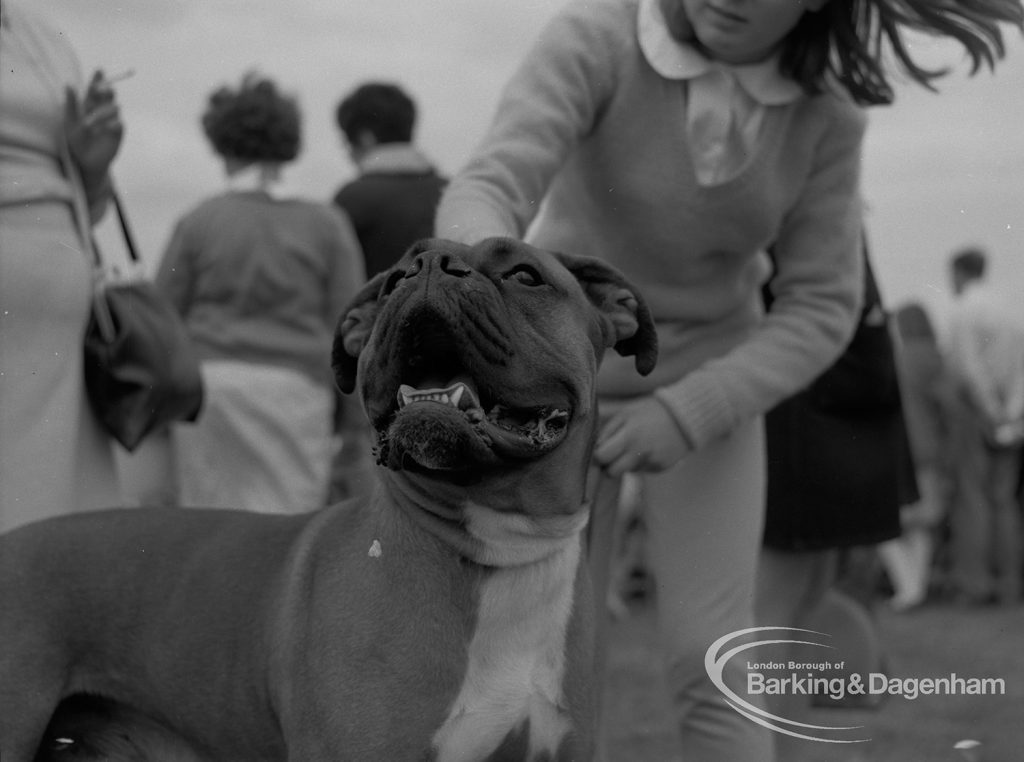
x=487, y=529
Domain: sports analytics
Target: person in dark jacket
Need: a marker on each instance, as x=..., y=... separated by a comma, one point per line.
x=392, y=201
x=391, y=205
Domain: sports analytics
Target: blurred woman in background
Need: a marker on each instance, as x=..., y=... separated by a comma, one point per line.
x=260, y=280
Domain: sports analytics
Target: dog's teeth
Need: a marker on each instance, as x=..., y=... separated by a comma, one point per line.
x=456, y=396
x=452, y=396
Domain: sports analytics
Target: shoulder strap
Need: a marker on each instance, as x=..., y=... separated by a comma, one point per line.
x=80, y=211
x=122, y=218
x=79, y=207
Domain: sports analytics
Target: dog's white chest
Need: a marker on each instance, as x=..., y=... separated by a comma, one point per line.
x=516, y=661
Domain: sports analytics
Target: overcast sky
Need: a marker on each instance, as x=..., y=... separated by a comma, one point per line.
x=940, y=170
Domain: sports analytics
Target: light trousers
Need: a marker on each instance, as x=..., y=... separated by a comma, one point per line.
x=704, y=530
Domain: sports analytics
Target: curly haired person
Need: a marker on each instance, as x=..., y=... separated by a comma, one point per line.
x=260, y=280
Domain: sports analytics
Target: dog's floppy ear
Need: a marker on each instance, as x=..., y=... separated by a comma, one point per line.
x=353, y=330
x=626, y=319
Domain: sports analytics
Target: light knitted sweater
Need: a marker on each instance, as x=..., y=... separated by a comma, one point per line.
x=263, y=280
x=589, y=128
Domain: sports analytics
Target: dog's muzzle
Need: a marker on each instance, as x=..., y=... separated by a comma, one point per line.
x=445, y=358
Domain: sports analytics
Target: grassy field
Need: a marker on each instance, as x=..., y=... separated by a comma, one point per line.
x=932, y=641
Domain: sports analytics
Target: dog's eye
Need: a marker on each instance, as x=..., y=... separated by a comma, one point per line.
x=525, y=275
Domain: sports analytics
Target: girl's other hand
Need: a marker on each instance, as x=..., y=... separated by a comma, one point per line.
x=641, y=436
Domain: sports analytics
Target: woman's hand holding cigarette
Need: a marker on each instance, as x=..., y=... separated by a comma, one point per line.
x=94, y=131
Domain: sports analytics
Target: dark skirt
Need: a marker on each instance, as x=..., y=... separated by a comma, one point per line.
x=833, y=481
x=838, y=455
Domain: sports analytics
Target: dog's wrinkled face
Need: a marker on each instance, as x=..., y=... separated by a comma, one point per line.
x=475, y=357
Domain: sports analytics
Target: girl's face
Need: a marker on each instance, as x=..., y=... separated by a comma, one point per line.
x=736, y=31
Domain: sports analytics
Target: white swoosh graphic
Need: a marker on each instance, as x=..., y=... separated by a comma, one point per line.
x=714, y=663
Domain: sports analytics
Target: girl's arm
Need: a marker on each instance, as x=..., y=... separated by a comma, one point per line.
x=548, y=106
x=818, y=289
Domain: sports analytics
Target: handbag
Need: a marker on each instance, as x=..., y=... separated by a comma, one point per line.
x=863, y=381
x=141, y=369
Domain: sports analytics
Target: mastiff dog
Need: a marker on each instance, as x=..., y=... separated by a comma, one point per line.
x=446, y=617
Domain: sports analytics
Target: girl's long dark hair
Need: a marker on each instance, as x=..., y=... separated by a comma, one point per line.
x=847, y=40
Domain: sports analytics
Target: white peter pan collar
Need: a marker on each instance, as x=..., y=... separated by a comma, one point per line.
x=672, y=59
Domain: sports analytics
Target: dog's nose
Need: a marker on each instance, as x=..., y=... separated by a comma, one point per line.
x=444, y=262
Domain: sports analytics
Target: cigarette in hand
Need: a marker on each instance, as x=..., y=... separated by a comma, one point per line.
x=108, y=81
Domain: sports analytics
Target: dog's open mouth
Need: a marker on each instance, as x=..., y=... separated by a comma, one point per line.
x=512, y=429
x=449, y=417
